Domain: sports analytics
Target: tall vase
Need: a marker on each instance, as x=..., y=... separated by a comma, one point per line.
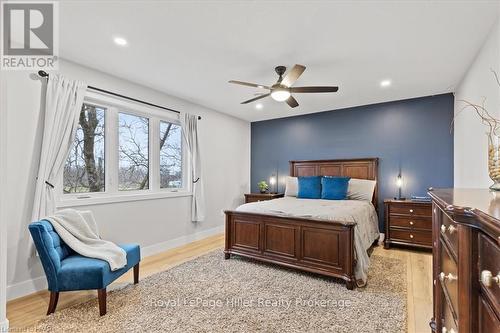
x=494, y=161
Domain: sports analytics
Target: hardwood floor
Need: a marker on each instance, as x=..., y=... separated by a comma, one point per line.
x=26, y=311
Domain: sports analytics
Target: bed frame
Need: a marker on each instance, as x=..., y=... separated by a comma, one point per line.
x=311, y=245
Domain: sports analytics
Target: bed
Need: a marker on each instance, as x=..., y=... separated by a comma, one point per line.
x=328, y=237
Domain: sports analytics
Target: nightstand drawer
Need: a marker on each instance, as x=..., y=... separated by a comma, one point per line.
x=411, y=236
x=411, y=209
x=255, y=197
x=408, y=223
x=411, y=222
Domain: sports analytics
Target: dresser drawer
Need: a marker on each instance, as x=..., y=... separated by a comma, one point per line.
x=489, y=270
x=488, y=321
x=411, y=236
x=448, y=276
x=411, y=222
x=411, y=209
x=449, y=231
x=448, y=322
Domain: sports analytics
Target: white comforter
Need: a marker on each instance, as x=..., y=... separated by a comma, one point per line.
x=361, y=213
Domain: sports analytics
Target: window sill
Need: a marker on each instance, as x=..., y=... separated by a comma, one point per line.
x=109, y=199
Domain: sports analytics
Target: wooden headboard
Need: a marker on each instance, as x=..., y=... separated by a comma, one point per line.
x=361, y=168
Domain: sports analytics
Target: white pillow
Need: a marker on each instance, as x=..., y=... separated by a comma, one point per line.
x=291, y=187
x=361, y=189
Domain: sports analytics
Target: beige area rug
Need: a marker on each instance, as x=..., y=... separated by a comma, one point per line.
x=210, y=294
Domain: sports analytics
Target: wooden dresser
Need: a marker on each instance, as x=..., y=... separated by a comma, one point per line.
x=408, y=223
x=466, y=261
x=254, y=197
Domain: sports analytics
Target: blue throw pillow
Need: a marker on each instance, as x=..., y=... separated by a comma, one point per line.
x=334, y=188
x=309, y=187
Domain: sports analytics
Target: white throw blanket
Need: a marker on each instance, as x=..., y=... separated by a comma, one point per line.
x=78, y=230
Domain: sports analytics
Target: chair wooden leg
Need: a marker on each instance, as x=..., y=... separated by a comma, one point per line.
x=101, y=294
x=54, y=298
x=136, y=274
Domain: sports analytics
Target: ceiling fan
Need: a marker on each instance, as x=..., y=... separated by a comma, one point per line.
x=282, y=90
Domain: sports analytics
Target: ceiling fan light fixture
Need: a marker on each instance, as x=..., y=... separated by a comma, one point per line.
x=280, y=95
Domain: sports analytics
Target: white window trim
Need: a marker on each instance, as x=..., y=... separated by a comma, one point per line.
x=114, y=106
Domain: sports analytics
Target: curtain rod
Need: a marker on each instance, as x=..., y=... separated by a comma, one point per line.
x=45, y=74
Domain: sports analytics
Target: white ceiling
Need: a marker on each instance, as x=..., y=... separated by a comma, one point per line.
x=191, y=49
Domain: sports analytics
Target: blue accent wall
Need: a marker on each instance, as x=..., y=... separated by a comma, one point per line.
x=409, y=135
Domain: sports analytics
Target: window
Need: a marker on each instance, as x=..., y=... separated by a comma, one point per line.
x=123, y=151
x=170, y=155
x=84, y=169
x=133, y=137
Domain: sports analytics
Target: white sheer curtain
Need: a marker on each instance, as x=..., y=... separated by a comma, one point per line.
x=189, y=124
x=64, y=99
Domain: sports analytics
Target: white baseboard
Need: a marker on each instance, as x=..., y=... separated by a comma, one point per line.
x=26, y=287
x=4, y=326
x=40, y=283
x=176, y=242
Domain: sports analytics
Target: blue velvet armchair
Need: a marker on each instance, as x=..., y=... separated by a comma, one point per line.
x=66, y=270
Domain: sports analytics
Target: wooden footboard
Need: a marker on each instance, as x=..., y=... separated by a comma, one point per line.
x=321, y=247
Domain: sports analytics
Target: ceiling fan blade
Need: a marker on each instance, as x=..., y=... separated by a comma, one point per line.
x=248, y=84
x=313, y=89
x=293, y=75
x=292, y=102
x=255, y=98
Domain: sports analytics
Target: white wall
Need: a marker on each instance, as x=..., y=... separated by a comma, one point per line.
x=4, y=323
x=154, y=224
x=470, y=140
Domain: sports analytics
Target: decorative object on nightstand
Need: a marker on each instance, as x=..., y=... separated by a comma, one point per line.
x=408, y=223
x=254, y=197
x=263, y=187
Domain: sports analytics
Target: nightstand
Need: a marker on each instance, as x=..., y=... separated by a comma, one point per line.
x=408, y=223
x=254, y=197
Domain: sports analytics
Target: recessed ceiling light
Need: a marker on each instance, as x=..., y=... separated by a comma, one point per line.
x=259, y=106
x=385, y=83
x=120, y=41
x=260, y=86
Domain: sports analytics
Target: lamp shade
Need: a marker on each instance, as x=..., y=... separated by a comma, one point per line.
x=399, y=181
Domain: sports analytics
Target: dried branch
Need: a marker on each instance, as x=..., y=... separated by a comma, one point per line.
x=486, y=117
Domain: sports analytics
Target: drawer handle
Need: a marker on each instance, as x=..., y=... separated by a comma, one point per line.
x=411, y=236
x=451, y=229
x=445, y=330
x=450, y=277
x=411, y=222
x=487, y=278
x=411, y=210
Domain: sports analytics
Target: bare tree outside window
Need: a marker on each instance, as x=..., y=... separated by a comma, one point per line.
x=84, y=168
x=170, y=155
x=133, y=166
